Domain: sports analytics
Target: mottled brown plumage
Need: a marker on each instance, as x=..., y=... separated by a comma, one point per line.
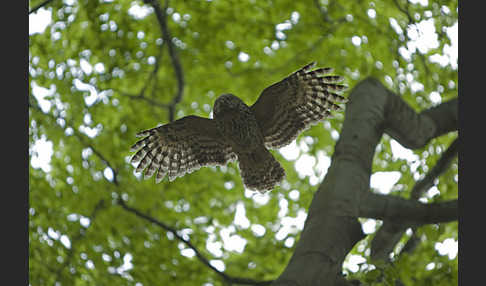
x=238, y=131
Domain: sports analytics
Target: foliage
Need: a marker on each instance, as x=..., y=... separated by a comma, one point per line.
x=107, y=74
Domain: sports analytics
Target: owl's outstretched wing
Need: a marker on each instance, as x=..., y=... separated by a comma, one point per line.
x=180, y=147
x=292, y=105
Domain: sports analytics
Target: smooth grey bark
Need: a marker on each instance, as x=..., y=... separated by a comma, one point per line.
x=332, y=228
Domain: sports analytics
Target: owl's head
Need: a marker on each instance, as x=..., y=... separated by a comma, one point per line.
x=226, y=102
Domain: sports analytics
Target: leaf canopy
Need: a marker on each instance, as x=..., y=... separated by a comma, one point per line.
x=101, y=71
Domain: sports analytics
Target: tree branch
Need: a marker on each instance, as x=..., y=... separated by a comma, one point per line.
x=391, y=232
x=142, y=97
x=323, y=11
x=331, y=228
x=82, y=138
x=440, y=167
x=406, y=212
x=444, y=116
x=162, y=19
x=414, y=130
x=33, y=10
x=404, y=11
x=199, y=255
x=153, y=74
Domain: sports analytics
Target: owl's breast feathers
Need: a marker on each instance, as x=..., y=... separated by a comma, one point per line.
x=239, y=126
x=237, y=123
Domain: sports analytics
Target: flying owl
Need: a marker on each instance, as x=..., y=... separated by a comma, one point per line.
x=241, y=132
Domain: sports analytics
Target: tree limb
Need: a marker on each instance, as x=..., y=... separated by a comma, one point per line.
x=406, y=212
x=391, y=232
x=414, y=130
x=444, y=116
x=331, y=228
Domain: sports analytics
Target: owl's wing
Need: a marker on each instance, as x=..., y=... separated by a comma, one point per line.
x=292, y=105
x=180, y=147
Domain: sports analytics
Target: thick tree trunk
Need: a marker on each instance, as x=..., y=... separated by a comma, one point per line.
x=332, y=228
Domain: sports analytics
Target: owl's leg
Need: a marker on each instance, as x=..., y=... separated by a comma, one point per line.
x=260, y=170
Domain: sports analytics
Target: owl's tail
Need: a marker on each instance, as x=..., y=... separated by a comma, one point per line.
x=260, y=170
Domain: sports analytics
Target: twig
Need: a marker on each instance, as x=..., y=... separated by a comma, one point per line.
x=33, y=10
x=404, y=11
x=152, y=77
x=142, y=97
x=162, y=19
x=199, y=255
x=153, y=74
x=324, y=13
x=81, y=137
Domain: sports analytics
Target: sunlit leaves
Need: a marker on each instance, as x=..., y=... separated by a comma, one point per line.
x=86, y=70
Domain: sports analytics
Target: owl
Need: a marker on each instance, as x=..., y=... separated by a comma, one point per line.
x=241, y=132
